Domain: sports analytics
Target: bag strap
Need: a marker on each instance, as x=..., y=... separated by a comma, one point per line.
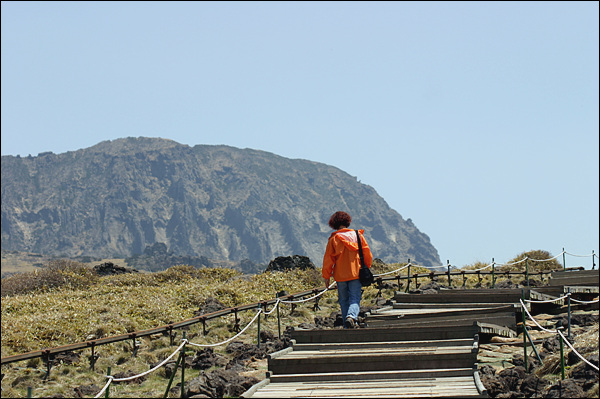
x=360, y=252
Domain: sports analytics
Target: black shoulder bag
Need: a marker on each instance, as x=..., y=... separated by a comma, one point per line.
x=364, y=275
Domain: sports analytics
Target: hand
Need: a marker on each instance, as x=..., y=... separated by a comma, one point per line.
x=327, y=282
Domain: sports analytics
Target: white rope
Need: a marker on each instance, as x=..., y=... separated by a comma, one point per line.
x=394, y=271
x=274, y=308
x=155, y=367
x=584, y=302
x=312, y=297
x=514, y=263
x=580, y=256
x=544, y=260
x=483, y=268
x=232, y=338
x=574, y=350
x=110, y=379
x=531, y=317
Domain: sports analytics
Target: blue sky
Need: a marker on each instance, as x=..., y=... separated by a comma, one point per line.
x=477, y=120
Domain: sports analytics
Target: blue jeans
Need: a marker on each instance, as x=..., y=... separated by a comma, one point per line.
x=349, y=295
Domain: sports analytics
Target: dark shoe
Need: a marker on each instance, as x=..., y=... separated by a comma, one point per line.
x=350, y=323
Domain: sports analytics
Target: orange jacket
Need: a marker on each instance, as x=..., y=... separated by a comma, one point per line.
x=341, y=259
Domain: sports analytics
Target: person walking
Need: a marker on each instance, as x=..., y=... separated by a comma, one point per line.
x=342, y=262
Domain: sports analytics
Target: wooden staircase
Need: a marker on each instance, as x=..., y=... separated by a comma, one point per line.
x=422, y=351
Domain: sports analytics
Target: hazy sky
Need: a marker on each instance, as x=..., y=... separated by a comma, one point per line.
x=477, y=120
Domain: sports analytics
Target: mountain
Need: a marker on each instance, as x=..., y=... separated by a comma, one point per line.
x=119, y=197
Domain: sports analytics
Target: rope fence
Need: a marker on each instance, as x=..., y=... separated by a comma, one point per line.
x=261, y=306
x=557, y=331
x=112, y=379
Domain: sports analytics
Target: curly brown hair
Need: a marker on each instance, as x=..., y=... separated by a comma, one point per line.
x=339, y=219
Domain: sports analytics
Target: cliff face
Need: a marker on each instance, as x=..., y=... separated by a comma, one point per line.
x=117, y=197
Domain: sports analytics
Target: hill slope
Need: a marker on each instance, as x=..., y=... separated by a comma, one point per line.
x=118, y=197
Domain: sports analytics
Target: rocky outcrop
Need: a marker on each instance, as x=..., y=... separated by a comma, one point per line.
x=284, y=263
x=109, y=269
x=117, y=198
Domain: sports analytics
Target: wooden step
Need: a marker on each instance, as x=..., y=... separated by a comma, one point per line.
x=384, y=334
x=574, y=278
x=373, y=375
x=448, y=317
x=379, y=345
x=392, y=358
x=447, y=387
x=434, y=305
x=462, y=296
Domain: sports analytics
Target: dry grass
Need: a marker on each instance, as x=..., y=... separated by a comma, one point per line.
x=65, y=305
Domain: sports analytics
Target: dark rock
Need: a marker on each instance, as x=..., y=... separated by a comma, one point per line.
x=210, y=305
x=109, y=269
x=552, y=344
x=506, y=284
x=532, y=385
x=69, y=357
x=565, y=389
x=266, y=335
x=585, y=372
x=324, y=322
x=583, y=319
x=242, y=351
x=487, y=370
x=84, y=391
x=219, y=383
x=431, y=288
x=283, y=263
x=511, y=377
x=206, y=358
x=519, y=361
x=494, y=385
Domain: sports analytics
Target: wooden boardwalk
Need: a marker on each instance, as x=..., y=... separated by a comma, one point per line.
x=424, y=345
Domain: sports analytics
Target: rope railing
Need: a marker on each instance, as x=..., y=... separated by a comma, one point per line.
x=112, y=379
x=563, y=252
x=275, y=303
x=235, y=336
x=394, y=271
x=307, y=299
x=556, y=331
